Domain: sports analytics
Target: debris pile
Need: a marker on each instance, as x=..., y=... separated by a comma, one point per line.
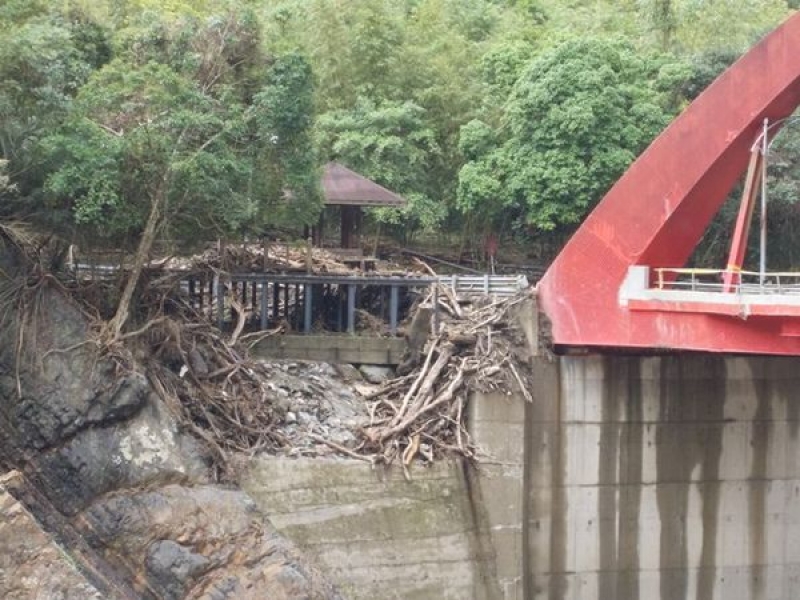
x=235, y=403
x=241, y=405
x=214, y=389
x=238, y=404
x=476, y=346
x=273, y=257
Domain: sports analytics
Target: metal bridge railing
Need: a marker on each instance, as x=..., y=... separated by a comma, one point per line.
x=711, y=280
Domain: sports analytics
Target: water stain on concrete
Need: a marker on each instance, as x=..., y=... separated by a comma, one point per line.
x=609, y=475
x=778, y=374
x=557, y=589
x=620, y=476
x=531, y=442
x=762, y=430
x=709, y=455
x=690, y=393
x=480, y=542
x=630, y=477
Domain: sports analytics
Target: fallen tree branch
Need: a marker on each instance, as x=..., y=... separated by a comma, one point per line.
x=340, y=448
x=482, y=350
x=240, y=321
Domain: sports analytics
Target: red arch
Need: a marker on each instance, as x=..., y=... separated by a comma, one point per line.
x=658, y=211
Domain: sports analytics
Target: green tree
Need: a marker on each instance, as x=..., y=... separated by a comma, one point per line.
x=423, y=52
x=699, y=23
x=577, y=118
x=44, y=60
x=354, y=47
x=184, y=139
x=43, y=63
x=392, y=145
x=501, y=66
x=783, y=195
x=706, y=66
x=662, y=17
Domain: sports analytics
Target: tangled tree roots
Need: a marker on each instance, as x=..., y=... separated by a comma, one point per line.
x=208, y=380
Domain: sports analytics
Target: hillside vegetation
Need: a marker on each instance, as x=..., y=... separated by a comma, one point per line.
x=130, y=120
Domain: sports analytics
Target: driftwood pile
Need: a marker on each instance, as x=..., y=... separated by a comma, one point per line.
x=477, y=345
x=206, y=377
x=213, y=389
x=254, y=258
x=224, y=397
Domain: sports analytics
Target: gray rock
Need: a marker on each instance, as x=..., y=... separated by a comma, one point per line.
x=198, y=363
x=226, y=544
x=170, y=565
x=31, y=564
x=375, y=373
x=115, y=480
x=282, y=405
x=348, y=372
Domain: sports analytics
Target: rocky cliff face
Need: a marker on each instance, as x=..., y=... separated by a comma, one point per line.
x=31, y=563
x=103, y=469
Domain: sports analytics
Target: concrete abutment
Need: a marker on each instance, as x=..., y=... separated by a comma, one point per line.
x=628, y=478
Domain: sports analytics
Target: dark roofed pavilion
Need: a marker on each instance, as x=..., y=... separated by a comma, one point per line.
x=350, y=192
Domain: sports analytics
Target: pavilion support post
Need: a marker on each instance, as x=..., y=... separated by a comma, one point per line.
x=351, y=308
x=394, y=303
x=359, y=220
x=348, y=226
x=308, y=294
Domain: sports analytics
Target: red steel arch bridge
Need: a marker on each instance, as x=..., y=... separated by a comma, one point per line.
x=621, y=281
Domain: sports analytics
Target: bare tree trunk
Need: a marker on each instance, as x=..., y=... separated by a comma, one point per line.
x=145, y=247
x=141, y=257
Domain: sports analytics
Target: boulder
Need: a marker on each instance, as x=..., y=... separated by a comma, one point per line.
x=376, y=374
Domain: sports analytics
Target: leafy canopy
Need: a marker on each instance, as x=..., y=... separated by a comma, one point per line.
x=578, y=116
x=492, y=129
x=194, y=116
x=392, y=145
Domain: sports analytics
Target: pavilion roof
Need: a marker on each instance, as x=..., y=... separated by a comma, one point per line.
x=341, y=186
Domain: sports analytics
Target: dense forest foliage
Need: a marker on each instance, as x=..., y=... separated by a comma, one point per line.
x=178, y=119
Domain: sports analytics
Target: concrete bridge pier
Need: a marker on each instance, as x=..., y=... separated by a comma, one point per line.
x=660, y=478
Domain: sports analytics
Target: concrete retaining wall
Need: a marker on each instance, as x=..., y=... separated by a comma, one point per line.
x=670, y=478
x=333, y=349
x=377, y=535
